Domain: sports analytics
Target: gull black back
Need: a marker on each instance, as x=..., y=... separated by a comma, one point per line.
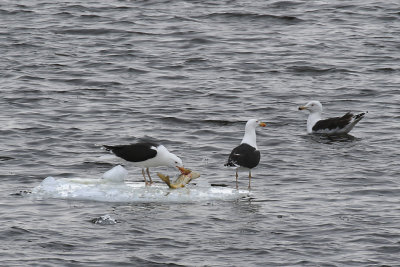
x=134, y=152
x=244, y=156
x=333, y=123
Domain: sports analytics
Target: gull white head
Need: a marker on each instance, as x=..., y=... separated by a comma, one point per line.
x=169, y=159
x=312, y=106
x=253, y=123
x=174, y=161
x=250, y=132
x=315, y=109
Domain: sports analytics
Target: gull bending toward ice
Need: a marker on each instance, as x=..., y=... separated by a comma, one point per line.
x=146, y=155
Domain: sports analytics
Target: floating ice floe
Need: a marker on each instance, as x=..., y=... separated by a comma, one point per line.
x=104, y=220
x=111, y=187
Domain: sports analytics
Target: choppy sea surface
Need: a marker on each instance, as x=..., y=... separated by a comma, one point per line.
x=78, y=74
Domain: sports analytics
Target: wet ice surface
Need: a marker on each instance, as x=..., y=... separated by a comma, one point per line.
x=112, y=188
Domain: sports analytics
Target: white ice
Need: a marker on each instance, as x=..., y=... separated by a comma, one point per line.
x=118, y=174
x=111, y=187
x=104, y=220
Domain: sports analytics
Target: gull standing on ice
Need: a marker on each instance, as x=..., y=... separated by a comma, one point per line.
x=146, y=155
x=246, y=156
x=332, y=126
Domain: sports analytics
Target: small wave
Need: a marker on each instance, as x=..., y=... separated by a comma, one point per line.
x=254, y=16
x=57, y=246
x=14, y=231
x=285, y=4
x=90, y=16
x=175, y=120
x=195, y=60
x=394, y=17
x=386, y=70
x=30, y=78
x=139, y=261
x=136, y=71
x=173, y=77
x=80, y=8
x=314, y=70
x=15, y=12
x=374, y=192
x=4, y=158
x=101, y=31
x=64, y=14
x=87, y=82
x=200, y=41
x=219, y=122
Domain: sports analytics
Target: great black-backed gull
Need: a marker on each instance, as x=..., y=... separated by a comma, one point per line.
x=337, y=125
x=146, y=155
x=246, y=156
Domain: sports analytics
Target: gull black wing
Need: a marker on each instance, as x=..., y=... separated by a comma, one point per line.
x=244, y=156
x=134, y=152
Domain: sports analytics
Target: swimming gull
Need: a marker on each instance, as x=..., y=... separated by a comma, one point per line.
x=332, y=126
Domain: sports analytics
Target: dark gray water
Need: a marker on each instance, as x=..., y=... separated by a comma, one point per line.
x=76, y=74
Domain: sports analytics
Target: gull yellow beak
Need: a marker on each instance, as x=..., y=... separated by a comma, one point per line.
x=184, y=171
x=262, y=124
x=302, y=107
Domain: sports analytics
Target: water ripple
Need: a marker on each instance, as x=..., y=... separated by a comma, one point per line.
x=189, y=74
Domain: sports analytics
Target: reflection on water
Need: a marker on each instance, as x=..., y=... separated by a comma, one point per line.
x=331, y=139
